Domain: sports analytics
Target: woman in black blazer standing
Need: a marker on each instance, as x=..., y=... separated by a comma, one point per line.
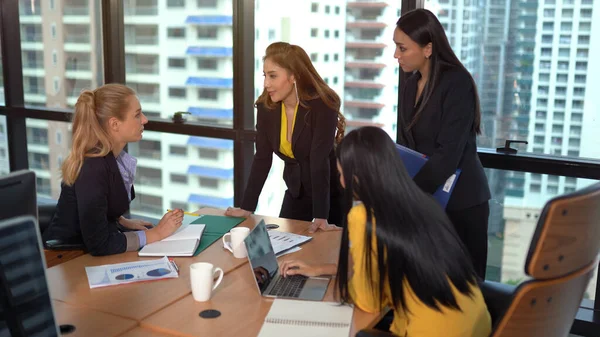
x=98, y=177
x=298, y=115
x=440, y=117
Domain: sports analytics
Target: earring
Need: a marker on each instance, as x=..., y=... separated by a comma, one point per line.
x=296, y=89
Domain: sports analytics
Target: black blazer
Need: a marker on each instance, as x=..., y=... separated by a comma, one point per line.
x=88, y=211
x=444, y=132
x=313, y=174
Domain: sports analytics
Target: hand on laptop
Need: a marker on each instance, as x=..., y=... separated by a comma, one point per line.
x=296, y=267
x=321, y=224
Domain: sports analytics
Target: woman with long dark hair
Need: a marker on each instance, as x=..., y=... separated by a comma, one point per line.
x=441, y=118
x=299, y=120
x=399, y=247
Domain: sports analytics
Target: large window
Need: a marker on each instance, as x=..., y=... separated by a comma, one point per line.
x=357, y=61
x=48, y=145
x=514, y=215
x=181, y=170
x=523, y=88
x=4, y=160
x=61, y=51
x=61, y=55
x=532, y=62
x=182, y=72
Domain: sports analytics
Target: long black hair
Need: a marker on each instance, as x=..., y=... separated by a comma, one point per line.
x=423, y=27
x=415, y=239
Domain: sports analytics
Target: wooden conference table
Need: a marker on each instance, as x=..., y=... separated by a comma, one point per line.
x=166, y=307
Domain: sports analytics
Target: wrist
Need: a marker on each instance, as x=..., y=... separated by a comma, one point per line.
x=152, y=236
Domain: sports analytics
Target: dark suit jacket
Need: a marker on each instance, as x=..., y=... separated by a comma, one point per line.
x=89, y=210
x=444, y=132
x=313, y=172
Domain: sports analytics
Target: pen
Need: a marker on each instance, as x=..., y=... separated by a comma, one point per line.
x=187, y=213
x=175, y=265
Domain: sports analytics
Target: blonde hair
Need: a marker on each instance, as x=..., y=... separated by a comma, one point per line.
x=92, y=111
x=309, y=84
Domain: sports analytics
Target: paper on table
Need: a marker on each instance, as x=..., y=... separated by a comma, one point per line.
x=121, y=273
x=186, y=233
x=293, y=318
x=282, y=241
x=289, y=251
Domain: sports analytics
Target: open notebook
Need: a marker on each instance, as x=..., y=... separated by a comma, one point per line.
x=294, y=318
x=182, y=243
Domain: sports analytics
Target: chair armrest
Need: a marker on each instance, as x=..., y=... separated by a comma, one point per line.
x=64, y=245
x=373, y=333
x=498, y=297
x=45, y=214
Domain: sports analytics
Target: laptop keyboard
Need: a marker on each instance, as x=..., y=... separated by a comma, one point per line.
x=290, y=286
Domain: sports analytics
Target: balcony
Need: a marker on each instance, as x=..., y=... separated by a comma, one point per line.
x=366, y=4
x=151, y=40
x=365, y=23
x=149, y=97
x=31, y=37
x=355, y=43
x=35, y=90
x=75, y=65
x=75, y=10
x=151, y=69
x=38, y=64
x=140, y=10
x=77, y=38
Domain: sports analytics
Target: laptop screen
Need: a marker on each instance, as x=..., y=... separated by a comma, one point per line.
x=25, y=306
x=261, y=256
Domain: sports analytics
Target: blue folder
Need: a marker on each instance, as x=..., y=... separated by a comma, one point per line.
x=414, y=161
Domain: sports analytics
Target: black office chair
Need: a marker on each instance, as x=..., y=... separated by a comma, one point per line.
x=45, y=214
x=56, y=251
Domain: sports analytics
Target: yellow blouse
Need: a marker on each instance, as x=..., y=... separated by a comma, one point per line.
x=285, y=147
x=420, y=320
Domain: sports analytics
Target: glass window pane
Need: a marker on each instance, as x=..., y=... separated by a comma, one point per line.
x=351, y=48
x=517, y=201
x=179, y=58
x=177, y=171
x=4, y=160
x=61, y=51
x=48, y=144
x=544, y=47
x=1, y=78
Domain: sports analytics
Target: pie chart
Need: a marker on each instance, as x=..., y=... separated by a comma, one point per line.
x=158, y=272
x=124, y=277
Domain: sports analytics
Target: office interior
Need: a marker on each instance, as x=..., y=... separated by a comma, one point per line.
x=531, y=61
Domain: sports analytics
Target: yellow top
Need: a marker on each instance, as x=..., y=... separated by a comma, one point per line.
x=420, y=320
x=285, y=146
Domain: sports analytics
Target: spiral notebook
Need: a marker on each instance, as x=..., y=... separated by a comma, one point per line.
x=294, y=318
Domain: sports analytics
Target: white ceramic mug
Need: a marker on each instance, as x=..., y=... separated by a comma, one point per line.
x=237, y=246
x=202, y=275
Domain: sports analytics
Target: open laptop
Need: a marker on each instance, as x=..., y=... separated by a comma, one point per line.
x=25, y=305
x=270, y=283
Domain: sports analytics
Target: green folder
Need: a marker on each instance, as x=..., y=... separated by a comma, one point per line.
x=216, y=227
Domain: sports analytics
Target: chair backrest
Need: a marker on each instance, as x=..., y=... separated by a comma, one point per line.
x=567, y=237
x=545, y=308
x=25, y=305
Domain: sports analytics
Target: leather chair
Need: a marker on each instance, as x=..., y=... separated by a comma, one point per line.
x=561, y=260
x=56, y=251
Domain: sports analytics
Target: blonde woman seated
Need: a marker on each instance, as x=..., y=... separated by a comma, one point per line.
x=98, y=177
